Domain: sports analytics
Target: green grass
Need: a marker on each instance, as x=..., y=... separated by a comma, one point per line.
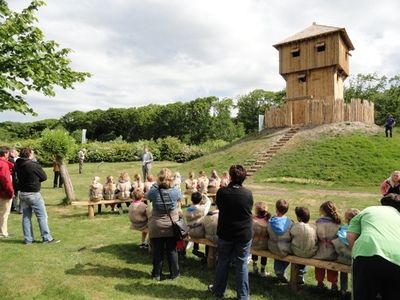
x=100, y=258
x=347, y=160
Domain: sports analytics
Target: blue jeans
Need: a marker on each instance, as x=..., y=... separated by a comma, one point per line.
x=280, y=266
x=239, y=252
x=33, y=202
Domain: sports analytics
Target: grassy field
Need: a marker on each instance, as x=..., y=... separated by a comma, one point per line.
x=100, y=258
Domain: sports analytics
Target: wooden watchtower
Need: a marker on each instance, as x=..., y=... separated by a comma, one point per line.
x=315, y=62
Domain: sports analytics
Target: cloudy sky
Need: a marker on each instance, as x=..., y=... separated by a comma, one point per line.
x=158, y=51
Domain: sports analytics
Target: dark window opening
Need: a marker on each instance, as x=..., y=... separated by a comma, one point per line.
x=295, y=52
x=320, y=47
x=302, y=77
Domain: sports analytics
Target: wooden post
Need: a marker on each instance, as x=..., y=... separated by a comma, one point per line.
x=294, y=277
x=68, y=188
x=91, y=211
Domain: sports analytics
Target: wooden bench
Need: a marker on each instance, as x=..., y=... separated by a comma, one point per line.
x=91, y=204
x=294, y=261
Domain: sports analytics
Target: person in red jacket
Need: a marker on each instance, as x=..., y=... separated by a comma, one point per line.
x=6, y=190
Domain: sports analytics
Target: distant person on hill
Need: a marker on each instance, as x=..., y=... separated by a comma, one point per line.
x=147, y=159
x=392, y=184
x=30, y=177
x=235, y=232
x=374, y=236
x=390, y=122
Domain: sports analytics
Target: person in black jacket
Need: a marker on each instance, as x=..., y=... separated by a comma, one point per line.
x=30, y=176
x=235, y=232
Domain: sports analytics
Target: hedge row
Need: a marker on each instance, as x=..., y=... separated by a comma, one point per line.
x=169, y=148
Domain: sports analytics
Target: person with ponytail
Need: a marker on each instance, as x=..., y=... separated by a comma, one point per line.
x=327, y=227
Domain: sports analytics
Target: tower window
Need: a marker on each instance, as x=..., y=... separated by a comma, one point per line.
x=295, y=52
x=320, y=47
x=302, y=77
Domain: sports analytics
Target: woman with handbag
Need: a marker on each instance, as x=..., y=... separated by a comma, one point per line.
x=164, y=198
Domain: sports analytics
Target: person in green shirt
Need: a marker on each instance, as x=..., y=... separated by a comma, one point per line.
x=374, y=236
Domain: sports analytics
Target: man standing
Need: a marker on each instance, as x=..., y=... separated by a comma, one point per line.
x=81, y=159
x=390, y=122
x=235, y=232
x=13, y=156
x=147, y=159
x=6, y=190
x=30, y=175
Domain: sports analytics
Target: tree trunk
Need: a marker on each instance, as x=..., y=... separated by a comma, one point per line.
x=68, y=188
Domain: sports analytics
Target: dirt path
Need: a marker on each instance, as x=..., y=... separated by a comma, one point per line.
x=280, y=191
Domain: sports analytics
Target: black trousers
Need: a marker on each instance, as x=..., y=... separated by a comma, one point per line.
x=388, y=129
x=375, y=275
x=57, y=179
x=165, y=246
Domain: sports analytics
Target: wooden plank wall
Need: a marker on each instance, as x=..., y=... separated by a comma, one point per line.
x=320, y=111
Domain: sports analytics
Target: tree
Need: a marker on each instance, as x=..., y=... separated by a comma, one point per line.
x=255, y=103
x=383, y=91
x=365, y=86
x=28, y=62
x=61, y=146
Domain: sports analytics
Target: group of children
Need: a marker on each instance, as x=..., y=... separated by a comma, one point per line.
x=123, y=189
x=324, y=240
x=204, y=184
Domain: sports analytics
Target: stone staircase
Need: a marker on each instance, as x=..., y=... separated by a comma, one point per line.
x=264, y=156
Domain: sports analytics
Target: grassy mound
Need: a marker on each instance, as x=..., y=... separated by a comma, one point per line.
x=345, y=154
x=354, y=158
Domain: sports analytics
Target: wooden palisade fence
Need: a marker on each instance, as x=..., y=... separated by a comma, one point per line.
x=319, y=111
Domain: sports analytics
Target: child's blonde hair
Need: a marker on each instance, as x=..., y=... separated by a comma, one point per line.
x=350, y=214
x=124, y=176
x=109, y=179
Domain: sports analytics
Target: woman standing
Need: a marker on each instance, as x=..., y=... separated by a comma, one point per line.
x=164, y=198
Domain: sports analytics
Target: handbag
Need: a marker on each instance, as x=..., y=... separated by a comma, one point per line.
x=179, y=228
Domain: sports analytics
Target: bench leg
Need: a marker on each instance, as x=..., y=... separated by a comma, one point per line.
x=211, y=257
x=294, y=277
x=91, y=211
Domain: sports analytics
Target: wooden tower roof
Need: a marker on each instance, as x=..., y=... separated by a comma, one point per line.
x=314, y=31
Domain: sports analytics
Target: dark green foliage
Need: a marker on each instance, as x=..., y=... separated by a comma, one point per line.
x=57, y=144
x=383, y=91
x=256, y=103
x=192, y=122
